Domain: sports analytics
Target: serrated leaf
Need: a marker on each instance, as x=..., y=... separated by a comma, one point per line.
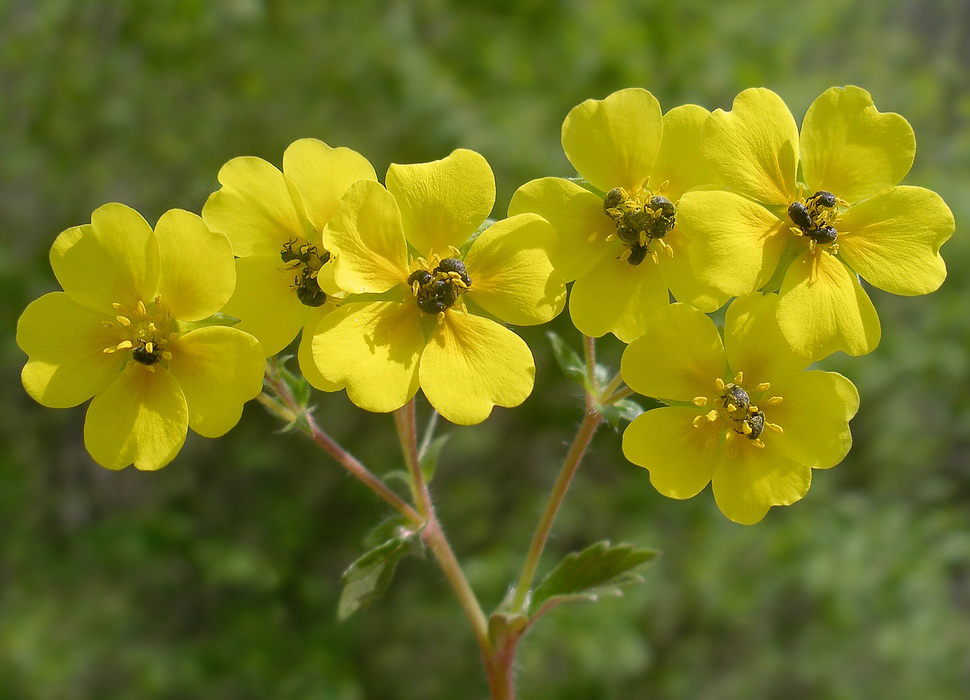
x=598, y=570
x=366, y=579
x=216, y=319
x=568, y=359
x=620, y=412
x=428, y=458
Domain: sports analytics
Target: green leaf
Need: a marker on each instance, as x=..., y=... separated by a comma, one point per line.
x=598, y=570
x=428, y=458
x=619, y=413
x=296, y=383
x=366, y=579
x=568, y=359
x=216, y=319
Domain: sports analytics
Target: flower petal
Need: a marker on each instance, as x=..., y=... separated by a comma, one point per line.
x=218, y=369
x=678, y=357
x=851, y=148
x=614, y=142
x=364, y=235
x=666, y=442
x=140, y=417
x=814, y=415
x=823, y=308
x=65, y=343
x=372, y=349
x=322, y=174
x=735, y=244
x=112, y=260
x=754, y=147
x=617, y=297
x=308, y=367
x=258, y=207
x=512, y=275
x=756, y=479
x=754, y=342
x=679, y=276
x=472, y=364
x=265, y=303
x=680, y=163
x=893, y=240
x=443, y=202
x=576, y=214
x=196, y=270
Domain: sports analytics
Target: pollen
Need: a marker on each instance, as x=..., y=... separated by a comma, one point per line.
x=144, y=331
x=642, y=219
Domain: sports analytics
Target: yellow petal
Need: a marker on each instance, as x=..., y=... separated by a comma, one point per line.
x=372, y=349
x=893, y=240
x=443, y=202
x=197, y=272
x=747, y=485
x=680, y=163
x=754, y=342
x=815, y=417
x=258, y=208
x=754, y=147
x=472, y=364
x=614, y=142
x=666, y=442
x=265, y=302
x=852, y=149
x=512, y=275
x=679, y=356
x=218, y=369
x=682, y=281
x=365, y=237
x=576, y=214
x=140, y=418
x=112, y=260
x=735, y=244
x=65, y=343
x=308, y=367
x=823, y=309
x=617, y=297
x=322, y=174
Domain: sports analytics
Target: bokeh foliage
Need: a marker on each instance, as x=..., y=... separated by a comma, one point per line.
x=218, y=577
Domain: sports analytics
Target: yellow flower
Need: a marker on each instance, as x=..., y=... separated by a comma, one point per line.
x=431, y=325
x=743, y=414
x=125, y=331
x=274, y=220
x=623, y=247
x=845, y=217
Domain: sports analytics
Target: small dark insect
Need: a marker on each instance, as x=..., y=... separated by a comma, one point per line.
x=757, y=423
x=454, y=265
x=800, y=216
x=822, y=199
x=308, y=289
x=638, y=220
x=662, y=225
x=734, y=394
x=638, y=253
x=824, y=235
x=627, y=234
x=422, y=277
x=614, y=198
x=142, y=355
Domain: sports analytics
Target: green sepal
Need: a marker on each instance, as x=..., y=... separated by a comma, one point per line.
x=620, y=412
x=216, y=319
x=297, y=384
x=467, y=245
x=792, y=251
x=582, y=182
x=568, y=359
x=366, y=579
x=599, y=570
x=428, y=459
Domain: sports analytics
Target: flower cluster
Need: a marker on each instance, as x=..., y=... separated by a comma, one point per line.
x=409, y=285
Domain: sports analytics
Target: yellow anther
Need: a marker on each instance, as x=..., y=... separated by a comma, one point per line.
x=150, y=347
x=711, y=415
x=731, y=408
x=699, y=401
x=124, y=345
x=699, y=421
x=775, y=400
x=140, y=307
x=123, y=320
x=746, y=428
x=107, y=324
x=757, y=443
x=151, y=327
x=775, y=427
x=166, y=355
x=653, y=256
x=117, y=307
x=719, y=383
x=752, y=409
x=739, y=378
x=764, y=386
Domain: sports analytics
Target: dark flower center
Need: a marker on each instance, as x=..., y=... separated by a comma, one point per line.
x=438, y=289
x=815, y=217
x=640, y=220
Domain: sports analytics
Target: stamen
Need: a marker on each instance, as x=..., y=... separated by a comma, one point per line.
x=775, y=427
x=739, y=378
x=731, y=408
x=124, y=345
x=753, y=409
x=719, y=383
x=757, y=443
x=775, y=400
x=764, y=386
x=746, y=428
x=698, y=420
x=699, y=401
x=107, y=324
x=140, y=306
x=123, y=320
x=712, y=415
x=117, y=307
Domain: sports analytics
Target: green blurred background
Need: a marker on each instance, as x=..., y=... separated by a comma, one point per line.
x=217, y=577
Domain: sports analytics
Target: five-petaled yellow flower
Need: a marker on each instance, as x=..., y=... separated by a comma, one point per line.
x=826, y=203
x=432, y=324
x=125, y=331
x=623, y=247
x=274, y=220
x=743, y=414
